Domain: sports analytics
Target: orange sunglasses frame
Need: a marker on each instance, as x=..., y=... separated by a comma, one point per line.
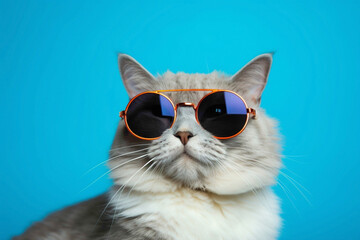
x=252, y=111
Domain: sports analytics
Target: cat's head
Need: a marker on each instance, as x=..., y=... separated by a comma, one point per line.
x=246, y=162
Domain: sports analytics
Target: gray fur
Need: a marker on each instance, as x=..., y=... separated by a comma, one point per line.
x=85, y=221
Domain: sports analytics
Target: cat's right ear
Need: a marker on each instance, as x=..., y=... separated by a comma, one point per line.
x=252, y=78
x=135, y=77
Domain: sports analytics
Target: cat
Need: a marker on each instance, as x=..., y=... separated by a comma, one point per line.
x=180, y=198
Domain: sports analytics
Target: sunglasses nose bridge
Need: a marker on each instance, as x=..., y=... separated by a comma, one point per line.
x=185, y=104
x=185, y=121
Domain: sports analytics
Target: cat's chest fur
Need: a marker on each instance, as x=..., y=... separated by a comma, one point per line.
x=187, y=214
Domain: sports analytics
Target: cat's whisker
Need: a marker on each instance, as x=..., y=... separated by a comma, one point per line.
x=242, y=168
x=296, y=184
x=112, y=169
x=121, y=189
x=289, y=194
x=237, y=164
x=282, y=156
x=242, y=178
x=97, y=165
x=262, y=150
x=287, y=191
x=129, y=179
x=237, y=173
x=290, y=171
x=295, y=181
x=250, y=161
x=283, y=186
x=137, y=181
x=257, y=164
x=254, y=190
x=162, y=169
x=132, y=189
x=123, y=186
x=112, y=158
x=130, y=146
x=223, y=167
x=286, y=157
x=129, y=153
x=291, y=180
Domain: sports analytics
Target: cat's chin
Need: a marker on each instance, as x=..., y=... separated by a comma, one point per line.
x=185, y=169
x=187, y=161
x=187, y=157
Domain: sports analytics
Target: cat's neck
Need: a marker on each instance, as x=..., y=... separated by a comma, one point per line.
x=188, y=213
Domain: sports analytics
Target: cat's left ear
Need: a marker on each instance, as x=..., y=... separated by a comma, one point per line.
x=135, y=77
x=252, y=78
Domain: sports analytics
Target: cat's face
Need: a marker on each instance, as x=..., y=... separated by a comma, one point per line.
x=246, y=162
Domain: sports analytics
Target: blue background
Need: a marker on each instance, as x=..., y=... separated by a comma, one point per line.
x=61, y=93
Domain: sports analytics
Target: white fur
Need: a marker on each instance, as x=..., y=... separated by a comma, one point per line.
x=187, y=214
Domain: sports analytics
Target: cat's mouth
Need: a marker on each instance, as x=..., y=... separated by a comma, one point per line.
x=185, y=169
x=186, y=157
x=189, y=157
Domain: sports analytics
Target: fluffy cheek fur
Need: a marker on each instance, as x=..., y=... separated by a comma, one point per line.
x=243, y=179
x=128, y=159
x=252, y=160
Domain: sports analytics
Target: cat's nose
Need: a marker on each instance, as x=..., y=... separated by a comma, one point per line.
x=184, y=136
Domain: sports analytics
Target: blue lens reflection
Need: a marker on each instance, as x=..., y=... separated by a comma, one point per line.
x=234, y=104
x=167, y=108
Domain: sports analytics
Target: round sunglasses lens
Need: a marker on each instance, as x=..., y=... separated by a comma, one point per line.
x=149, y=115
x=223, y=114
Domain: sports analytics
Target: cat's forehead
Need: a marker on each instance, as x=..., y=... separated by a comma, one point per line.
x=212, y=80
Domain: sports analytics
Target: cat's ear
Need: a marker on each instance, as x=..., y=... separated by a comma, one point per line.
x=135, y=77
x=252, y=78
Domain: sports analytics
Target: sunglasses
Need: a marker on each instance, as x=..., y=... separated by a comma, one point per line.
x=223, y=113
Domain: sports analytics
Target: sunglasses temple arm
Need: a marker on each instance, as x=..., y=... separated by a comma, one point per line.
x=122, y=114
x=252, y=112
